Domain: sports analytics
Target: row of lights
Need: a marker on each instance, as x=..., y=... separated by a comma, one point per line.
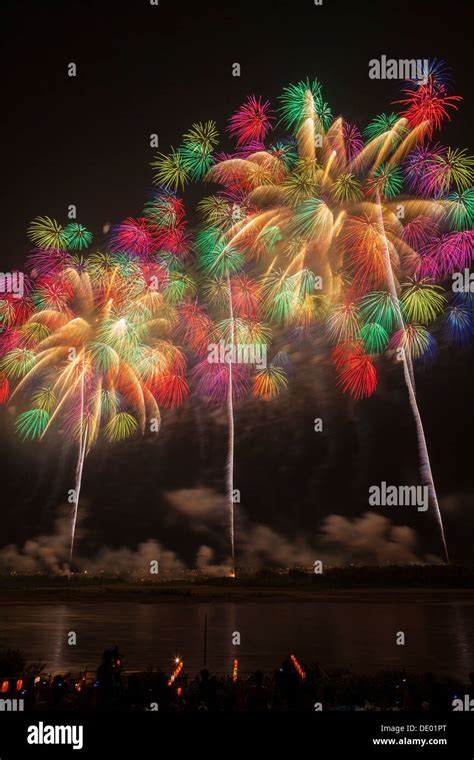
x=6, y=685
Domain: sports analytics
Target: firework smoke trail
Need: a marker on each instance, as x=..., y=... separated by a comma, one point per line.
x=79, y=470
x=425, y=465
x=230, y=419
x=79, y=467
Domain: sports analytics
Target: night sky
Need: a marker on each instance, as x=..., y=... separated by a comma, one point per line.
x=85, y=141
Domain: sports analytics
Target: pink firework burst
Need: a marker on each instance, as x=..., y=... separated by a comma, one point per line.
x=419, y=166
x=455, y=251
x=446, y=254
x=352, y=140
x=9, y=340
x=420, y=232
x=212, y=381
x=134, y=236
x=165, y=210
x=43, y=262
x=177, y=241
x=252, y=121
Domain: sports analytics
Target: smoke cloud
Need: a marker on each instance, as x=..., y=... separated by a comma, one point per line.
x=368, y=539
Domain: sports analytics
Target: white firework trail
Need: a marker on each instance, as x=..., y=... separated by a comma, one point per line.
x=425, y=465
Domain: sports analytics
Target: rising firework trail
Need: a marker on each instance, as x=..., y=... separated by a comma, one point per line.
x=231, y=434
x=80, y=466
x=425, y=465
x=381, y=222
x=89, y=347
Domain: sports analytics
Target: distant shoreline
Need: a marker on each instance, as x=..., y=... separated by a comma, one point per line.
x=162, y=593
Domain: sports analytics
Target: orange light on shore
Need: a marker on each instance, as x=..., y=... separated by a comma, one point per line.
x=298, y=667
x=176, y=673
x=235, y=671
x=19, y=684
x=4, y=687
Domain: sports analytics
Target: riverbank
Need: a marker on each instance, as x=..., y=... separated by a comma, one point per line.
x=208, y=593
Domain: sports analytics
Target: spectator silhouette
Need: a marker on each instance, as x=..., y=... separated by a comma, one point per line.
x=106, y=678
x=258, y=696
x=58, y=690
x=286, y=685
x=207, y=691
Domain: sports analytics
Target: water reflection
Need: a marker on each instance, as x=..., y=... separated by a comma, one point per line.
x=358, y=636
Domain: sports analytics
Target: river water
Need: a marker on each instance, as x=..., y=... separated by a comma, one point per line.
x=361, y=636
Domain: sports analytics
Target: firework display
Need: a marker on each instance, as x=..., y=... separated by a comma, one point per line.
x=88, y=349
x=321, y=231
x=316, y=229
x=236, y=325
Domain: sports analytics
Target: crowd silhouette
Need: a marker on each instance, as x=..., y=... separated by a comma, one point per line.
x=285, y=689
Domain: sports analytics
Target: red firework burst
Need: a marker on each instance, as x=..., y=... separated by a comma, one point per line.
x=428, y=103
x=359, y=376
x=251, y=122
x=245, y=297
x=133, y=236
